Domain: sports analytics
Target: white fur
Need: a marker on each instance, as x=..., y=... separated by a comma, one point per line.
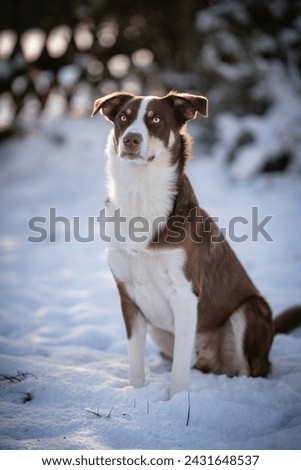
x=136, y=346
x=146, y=190
x=139, y=127
x=238, y=323
x=154, y=279
x=156, y=282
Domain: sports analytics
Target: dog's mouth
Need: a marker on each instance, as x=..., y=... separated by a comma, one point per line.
x=136, y=157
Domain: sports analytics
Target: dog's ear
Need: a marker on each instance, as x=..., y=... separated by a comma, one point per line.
x=187, y=106
x=110, y=104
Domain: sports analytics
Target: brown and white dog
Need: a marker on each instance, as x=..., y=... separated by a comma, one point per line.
x=173, y=268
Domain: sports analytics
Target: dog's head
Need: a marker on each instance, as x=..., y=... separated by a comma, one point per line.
x=147, y=128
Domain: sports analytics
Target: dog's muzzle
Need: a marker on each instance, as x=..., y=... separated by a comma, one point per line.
x=132, y=145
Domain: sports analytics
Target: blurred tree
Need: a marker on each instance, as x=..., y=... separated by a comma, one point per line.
x=71, y=49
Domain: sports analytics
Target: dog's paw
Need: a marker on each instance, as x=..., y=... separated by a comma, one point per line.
x=137, y=382
x=178, y=388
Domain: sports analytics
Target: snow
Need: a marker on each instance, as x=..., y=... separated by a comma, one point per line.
x=62, y=333
x=273, y=134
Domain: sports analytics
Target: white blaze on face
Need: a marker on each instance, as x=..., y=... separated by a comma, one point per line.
x=138, y=126
x=172, y=139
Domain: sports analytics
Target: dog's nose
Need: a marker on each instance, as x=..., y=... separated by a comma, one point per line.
x=132, y=141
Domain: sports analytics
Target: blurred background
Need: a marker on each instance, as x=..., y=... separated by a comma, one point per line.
x=57, y=56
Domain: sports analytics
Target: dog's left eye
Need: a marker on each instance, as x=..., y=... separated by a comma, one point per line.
x=123, y=118
x=156, y=120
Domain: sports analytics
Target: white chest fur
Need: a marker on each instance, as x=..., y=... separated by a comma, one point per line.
x=142, y=193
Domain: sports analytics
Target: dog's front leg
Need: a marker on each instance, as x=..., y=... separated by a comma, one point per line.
x=136, y=333
x=136, y=346
x=185, y=320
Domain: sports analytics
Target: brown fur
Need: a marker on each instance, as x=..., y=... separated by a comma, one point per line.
x=128, y=308
x=288, y=320
x=222, y=285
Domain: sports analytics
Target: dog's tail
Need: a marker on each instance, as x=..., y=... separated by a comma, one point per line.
x=288, y=320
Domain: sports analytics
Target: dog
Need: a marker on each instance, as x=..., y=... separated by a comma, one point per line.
x=176, y=274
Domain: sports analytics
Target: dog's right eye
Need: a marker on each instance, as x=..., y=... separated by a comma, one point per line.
x=123, y=118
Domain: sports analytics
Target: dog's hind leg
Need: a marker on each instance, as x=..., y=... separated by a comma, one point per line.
x=247, y=339
x=241, y=345
x=258, y=336
x=164, y=340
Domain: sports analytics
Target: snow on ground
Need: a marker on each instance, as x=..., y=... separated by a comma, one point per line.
x=62, y=334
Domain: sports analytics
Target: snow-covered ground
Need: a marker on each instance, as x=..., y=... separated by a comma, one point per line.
x=62, y=334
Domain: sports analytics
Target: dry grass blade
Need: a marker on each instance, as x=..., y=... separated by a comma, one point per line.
x=188, y=410
x=19, y=377
x=98, y=414
x=95, y=413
